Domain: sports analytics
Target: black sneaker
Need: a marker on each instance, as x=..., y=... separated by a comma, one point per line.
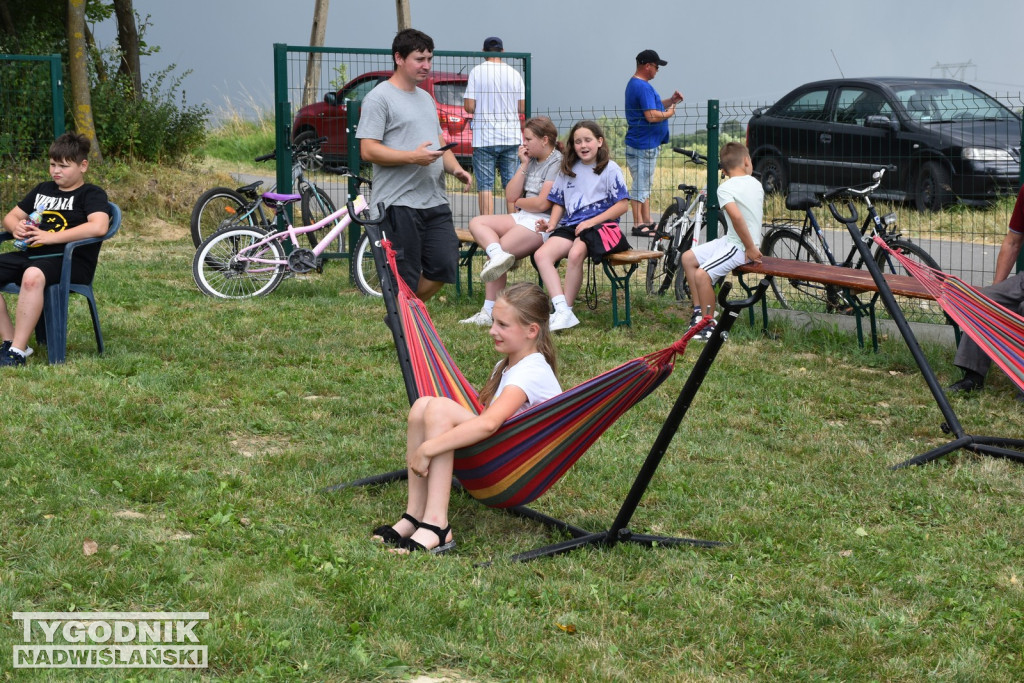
x=11, y=359
x=965, y=386
x=694, y=319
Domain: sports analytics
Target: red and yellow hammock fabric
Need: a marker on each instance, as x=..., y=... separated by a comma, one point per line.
x=533, y=449
x=996, y=329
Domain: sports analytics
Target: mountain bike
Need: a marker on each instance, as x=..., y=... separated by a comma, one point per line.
x=676, y=232
x=220, y=206
x=791, y=240
x=240, y=261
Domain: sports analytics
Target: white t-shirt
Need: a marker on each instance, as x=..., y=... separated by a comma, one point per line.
x=748, y=194
x=497, y=88
x=534, y=376
x=588, y=194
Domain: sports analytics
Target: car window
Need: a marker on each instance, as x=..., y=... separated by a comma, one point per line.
x=810, y=105
x=357, y=92
x=933, y=104
x=855, y=105
x=450, y=93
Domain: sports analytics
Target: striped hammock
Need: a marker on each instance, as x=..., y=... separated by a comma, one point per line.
x=996, y=329
x=534, y=448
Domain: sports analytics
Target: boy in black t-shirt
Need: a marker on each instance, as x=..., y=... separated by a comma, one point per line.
x=72, y=210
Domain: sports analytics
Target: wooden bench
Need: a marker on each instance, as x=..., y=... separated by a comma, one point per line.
x=852, y=280
x=619, y=269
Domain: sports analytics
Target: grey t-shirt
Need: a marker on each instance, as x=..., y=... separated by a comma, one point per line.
x=539, y=172
x=404, y=121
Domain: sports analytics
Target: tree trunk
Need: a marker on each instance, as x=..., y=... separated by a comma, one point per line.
x=81, y=99
x=128, y=42
x=404, y=15
x=316, y=39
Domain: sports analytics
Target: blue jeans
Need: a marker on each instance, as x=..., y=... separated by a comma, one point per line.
x=485, y=159
x=641, y=164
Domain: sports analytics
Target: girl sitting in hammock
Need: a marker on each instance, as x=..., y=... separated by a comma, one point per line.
x=439, y=426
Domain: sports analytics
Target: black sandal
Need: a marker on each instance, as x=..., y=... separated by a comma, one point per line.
x=411, y=546
x=388, y=534
x=645, y=230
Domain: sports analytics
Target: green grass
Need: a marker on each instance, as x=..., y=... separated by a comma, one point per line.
x=196, y=450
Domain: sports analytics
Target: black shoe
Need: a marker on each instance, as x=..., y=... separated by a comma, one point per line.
x=965, y=386
x=11, y=359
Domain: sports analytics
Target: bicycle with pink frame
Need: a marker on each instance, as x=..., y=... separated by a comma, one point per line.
x=239, y=261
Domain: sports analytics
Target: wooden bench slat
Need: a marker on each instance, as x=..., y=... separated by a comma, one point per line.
x=851, y=278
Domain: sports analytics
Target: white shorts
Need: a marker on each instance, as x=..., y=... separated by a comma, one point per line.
x=528, y=219
x=719, y=257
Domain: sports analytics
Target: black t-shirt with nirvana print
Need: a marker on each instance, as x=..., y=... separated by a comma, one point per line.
x=63, y=210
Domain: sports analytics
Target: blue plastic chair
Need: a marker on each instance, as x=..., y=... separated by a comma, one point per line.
x=52, y=328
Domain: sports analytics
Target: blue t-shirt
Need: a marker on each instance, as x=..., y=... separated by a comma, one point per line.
x=642, y=134
x=588, y=194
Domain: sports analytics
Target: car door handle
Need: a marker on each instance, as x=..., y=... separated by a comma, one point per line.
x=825, y=138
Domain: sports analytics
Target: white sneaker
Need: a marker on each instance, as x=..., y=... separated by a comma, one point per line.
x=497, y=266
x=705, y=334
x=480, y=318
x=562, y=320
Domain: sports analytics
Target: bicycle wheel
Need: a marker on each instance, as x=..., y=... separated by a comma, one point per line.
x=918, y=310
x=219, y=271
x=790, y=244
x=212, y=209
x=662, y=271
x=364, y=269
x=316, y=206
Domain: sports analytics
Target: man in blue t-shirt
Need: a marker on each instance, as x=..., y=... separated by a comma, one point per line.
x=647, y=115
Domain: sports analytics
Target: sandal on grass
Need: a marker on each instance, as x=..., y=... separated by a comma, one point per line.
x=410, y=546
x=645, y=230
x=389, y=536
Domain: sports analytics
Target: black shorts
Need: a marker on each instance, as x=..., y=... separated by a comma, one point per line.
x=425, y=243
x=14, y=264
x=565, y=232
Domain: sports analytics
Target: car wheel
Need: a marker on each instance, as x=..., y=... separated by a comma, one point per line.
x=932, y=190
x=309, y=162
x=772, y=174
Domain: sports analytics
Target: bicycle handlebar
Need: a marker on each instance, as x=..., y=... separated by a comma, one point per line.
x=304, y=147
x=695, y=156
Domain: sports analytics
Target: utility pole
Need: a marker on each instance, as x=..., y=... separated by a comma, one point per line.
x=404, y=16
x=957, y=71
x=316, y=39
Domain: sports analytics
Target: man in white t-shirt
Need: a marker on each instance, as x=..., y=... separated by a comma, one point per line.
x=495, y=96
x=742, y=200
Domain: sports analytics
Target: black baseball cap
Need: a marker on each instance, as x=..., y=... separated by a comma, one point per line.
x=648, y=57
x=493, y=44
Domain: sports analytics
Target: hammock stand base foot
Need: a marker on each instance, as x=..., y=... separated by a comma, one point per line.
x=992, y=446
x=608, y=539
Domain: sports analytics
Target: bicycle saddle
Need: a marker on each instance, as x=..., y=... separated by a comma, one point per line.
x=802, y=201
x=274, y=199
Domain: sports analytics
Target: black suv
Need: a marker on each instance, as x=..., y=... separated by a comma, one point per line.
x=947, y=139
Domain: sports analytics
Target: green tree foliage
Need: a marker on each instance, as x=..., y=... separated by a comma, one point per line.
x=157, y=126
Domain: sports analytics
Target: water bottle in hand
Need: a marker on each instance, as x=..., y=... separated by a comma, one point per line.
x=34, y=219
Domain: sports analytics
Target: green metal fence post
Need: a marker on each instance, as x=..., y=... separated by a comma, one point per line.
x=283, y=124
x=57, y=90
x=713, y=207
x=354, y=162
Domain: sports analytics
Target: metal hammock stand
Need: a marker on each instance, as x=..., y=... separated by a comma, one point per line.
x=619, y=531
x=993, y=446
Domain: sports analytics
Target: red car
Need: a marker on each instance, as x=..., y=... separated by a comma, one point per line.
x=330, y=117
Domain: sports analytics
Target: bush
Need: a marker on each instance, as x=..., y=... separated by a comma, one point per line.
x=151, y=128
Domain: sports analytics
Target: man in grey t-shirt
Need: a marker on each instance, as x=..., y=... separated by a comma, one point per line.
x=400, y=134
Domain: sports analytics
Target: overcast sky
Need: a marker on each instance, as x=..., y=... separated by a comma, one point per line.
x=583, y=51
